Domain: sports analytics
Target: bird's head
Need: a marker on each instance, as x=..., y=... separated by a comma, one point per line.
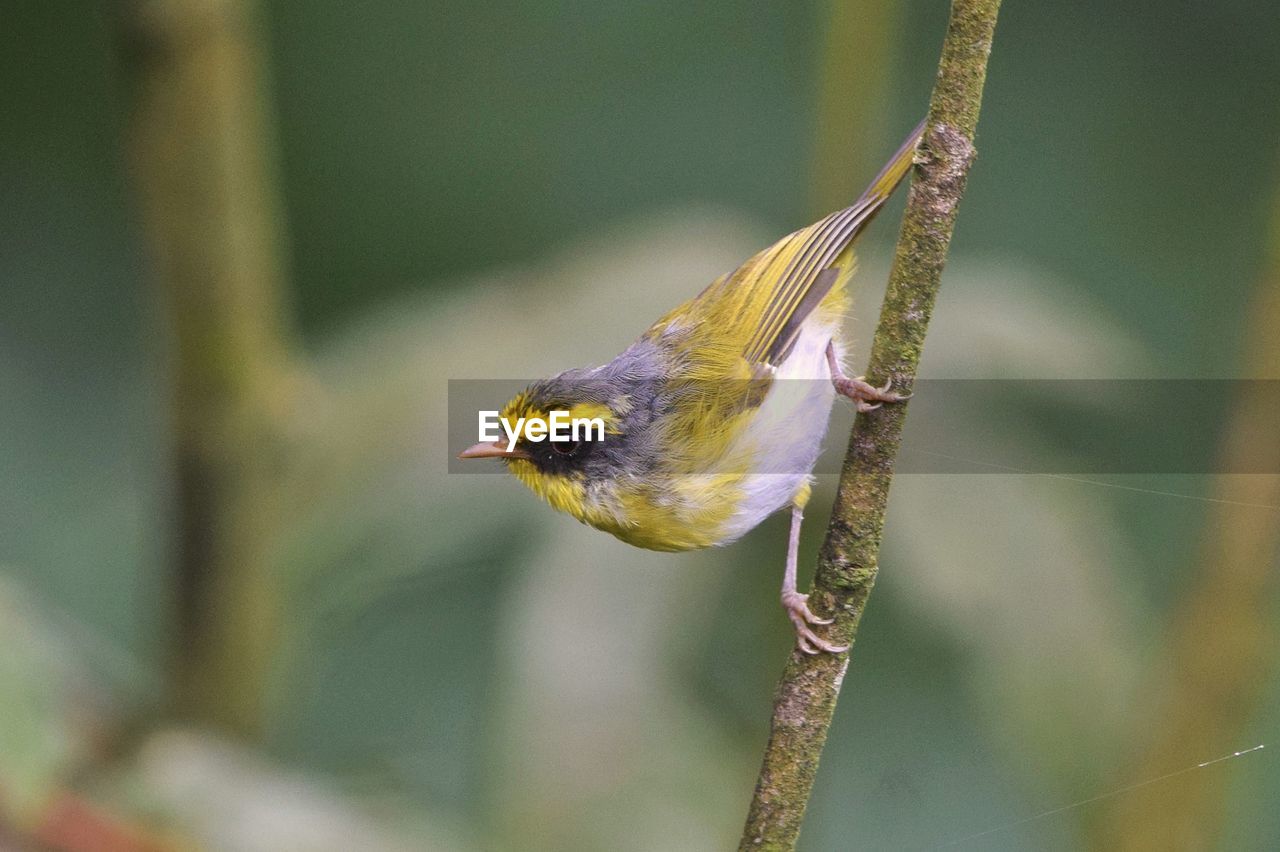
x=573, y=439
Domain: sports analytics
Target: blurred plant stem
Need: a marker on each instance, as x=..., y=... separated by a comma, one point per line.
x=1222, y=639
x=196, y=138
x=853, y=84
x=806, y=695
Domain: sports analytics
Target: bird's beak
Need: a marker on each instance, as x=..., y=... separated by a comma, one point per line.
x=496, y=450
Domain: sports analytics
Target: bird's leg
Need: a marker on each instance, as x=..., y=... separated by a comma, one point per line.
x=858, y=390
x=796, y=604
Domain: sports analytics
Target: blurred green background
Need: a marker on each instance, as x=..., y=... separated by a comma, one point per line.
x=321, y=640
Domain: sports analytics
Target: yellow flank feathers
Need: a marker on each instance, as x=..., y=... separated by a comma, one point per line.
x=801, y=499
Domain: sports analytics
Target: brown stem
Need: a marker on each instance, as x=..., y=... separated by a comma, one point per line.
x=195, y=138
x=806, y=695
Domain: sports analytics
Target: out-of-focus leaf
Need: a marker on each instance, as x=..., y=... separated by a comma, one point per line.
x=60, y=695
x=226, y=798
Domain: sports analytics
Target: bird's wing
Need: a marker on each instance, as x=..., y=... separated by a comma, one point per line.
x=722, y=344
x=762, y=305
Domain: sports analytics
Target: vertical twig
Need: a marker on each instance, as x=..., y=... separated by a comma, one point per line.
x=806, y=695
x=195, y=138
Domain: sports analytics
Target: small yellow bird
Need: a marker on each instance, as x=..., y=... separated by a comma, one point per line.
x=714, y=418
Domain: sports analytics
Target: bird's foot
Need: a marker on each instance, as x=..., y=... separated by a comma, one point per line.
x=866, y=396
x=797, y=607
x=863, y=393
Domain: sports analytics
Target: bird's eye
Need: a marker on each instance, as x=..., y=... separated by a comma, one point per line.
x=566, y=448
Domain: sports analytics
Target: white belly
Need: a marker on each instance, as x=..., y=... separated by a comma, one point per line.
x=786, y=434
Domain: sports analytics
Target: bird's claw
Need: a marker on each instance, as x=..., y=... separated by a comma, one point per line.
x=797, y=606
x=865, y=395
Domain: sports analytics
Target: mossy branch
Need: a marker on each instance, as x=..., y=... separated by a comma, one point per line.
x=806, y=696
